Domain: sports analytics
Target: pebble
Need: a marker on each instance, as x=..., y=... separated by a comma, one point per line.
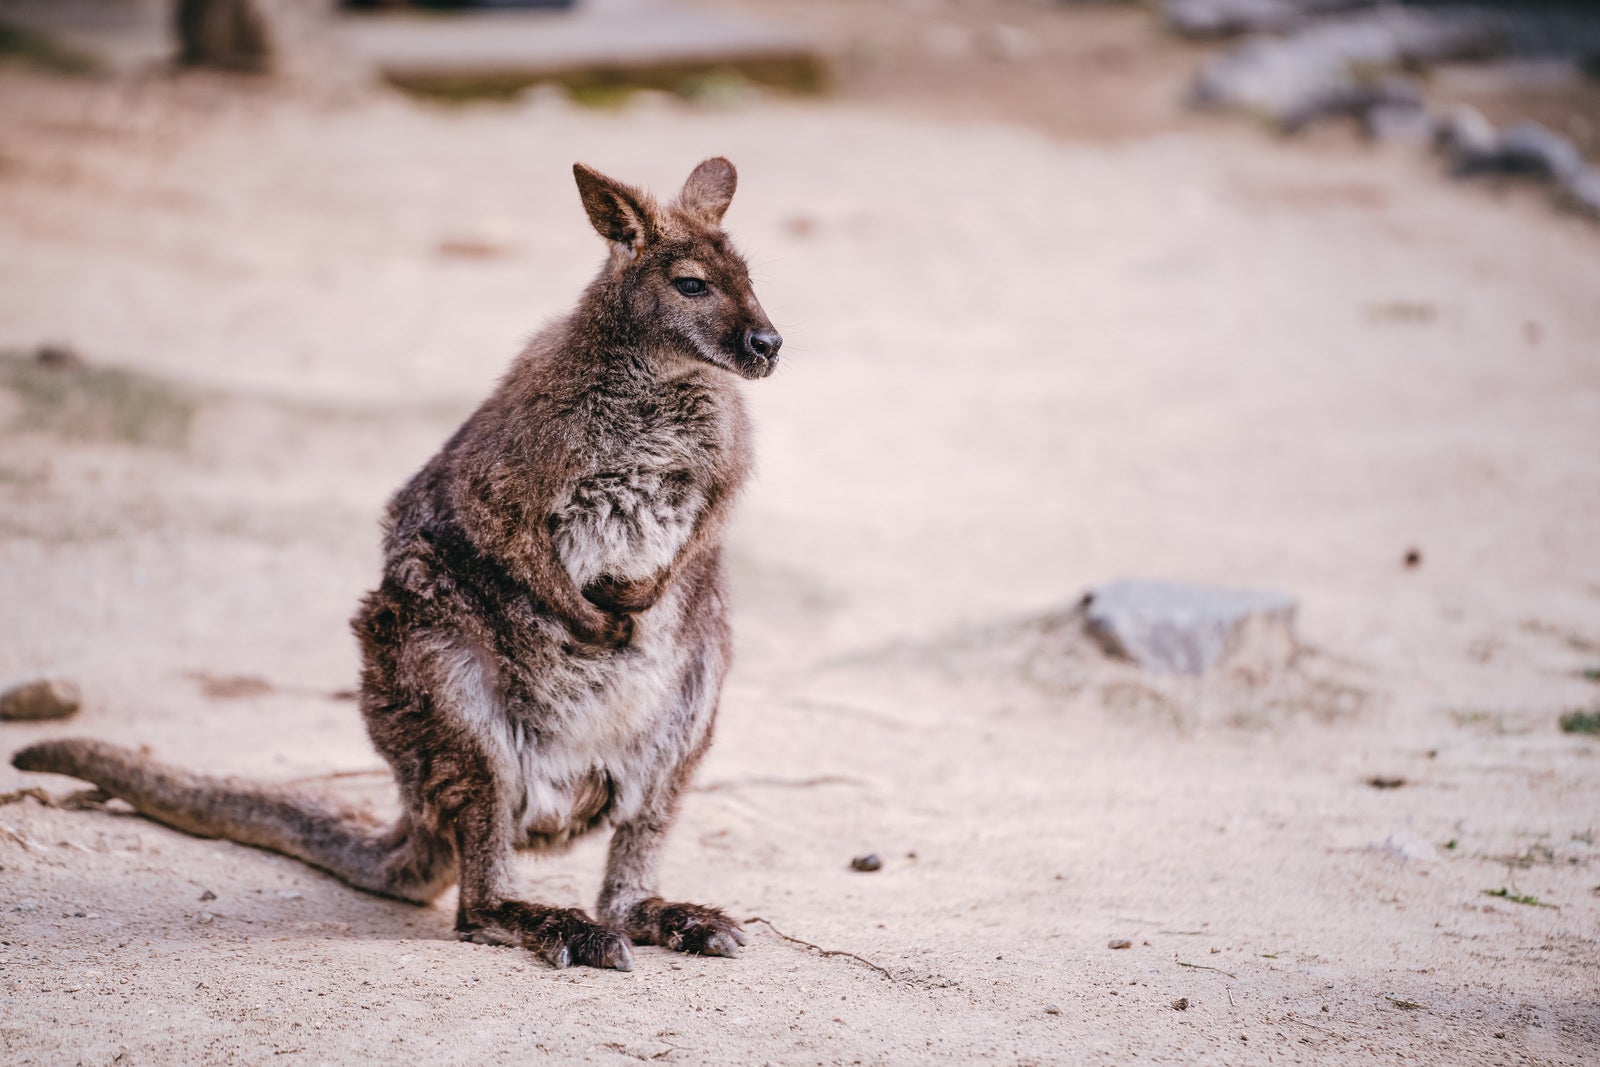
x=45, y=698
x=58, y=355
x=1051, y=1009
x=869, y=862
x=1181, y=1004
x=1120, y=942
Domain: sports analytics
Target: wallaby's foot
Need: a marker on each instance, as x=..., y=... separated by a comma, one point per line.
x=560, y=936
x=692, y=928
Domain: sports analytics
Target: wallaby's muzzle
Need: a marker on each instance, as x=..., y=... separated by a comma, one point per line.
x=763, y=345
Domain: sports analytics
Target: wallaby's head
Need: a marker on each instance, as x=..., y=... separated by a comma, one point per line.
x=682, y=285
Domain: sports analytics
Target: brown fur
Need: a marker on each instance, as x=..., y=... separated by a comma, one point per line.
x=546, y=648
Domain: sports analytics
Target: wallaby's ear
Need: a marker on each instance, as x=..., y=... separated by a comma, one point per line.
x=619, y=212
x=709, y=189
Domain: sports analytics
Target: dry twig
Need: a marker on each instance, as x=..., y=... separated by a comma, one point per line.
x=819, y=948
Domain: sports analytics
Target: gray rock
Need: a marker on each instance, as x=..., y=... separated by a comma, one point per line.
x=1328, y=67
x=1525, y=148
x=1173, y=628
x=1357, y=100
x=46, y=698
x=1226, y=18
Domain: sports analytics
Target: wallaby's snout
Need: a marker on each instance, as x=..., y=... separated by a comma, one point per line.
x=763, y=344
x=684, y=286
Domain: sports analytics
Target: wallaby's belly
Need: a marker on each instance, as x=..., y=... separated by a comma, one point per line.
x=589, y=738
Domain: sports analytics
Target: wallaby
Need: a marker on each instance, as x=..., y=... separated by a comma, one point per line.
x=545, y=652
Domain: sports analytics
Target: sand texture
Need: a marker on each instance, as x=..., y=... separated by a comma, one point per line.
x=1016, y=367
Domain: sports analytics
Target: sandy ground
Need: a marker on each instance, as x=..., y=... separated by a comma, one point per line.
x=1020, y=365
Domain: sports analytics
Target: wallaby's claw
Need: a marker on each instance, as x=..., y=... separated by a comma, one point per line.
x=697, y=930
x=618, y=956
x=721, y=945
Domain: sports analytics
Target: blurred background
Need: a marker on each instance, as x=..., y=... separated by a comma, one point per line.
x=1292, y=296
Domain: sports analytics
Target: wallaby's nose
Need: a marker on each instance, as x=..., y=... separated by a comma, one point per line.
x=763, y=343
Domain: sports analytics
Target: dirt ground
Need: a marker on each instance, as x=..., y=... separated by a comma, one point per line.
x=1024, y=361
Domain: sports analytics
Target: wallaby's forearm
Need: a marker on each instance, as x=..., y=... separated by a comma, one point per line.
x=589, y=621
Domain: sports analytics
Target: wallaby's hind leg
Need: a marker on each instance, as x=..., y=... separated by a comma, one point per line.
x=490, y=914
x=629, y=898
x=403, y=861
x=629, y=902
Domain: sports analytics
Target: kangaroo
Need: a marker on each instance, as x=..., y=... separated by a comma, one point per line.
x=546, y=649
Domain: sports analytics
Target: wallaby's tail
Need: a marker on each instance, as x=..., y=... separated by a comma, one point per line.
x=400, y=862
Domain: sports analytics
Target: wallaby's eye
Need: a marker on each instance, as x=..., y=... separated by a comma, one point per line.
x=690, y=286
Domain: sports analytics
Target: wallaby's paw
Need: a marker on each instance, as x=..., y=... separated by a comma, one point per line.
x=570, y=937
x=608, y=631
x=691, y=928
x=617, y=595
x=562, y=937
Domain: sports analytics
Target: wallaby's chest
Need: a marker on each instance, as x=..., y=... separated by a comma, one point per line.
x=651, y=469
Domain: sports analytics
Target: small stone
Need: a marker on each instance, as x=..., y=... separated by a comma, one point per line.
x=869, y=862
x=1386, y=781
x=205, y=918
x=208, y=895
x=64, y=357
x=1181, y=1004
x=46, y=698
x=1174, y=628
x=1119, y=942
x=1051, y=1009
x=1413, y=558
